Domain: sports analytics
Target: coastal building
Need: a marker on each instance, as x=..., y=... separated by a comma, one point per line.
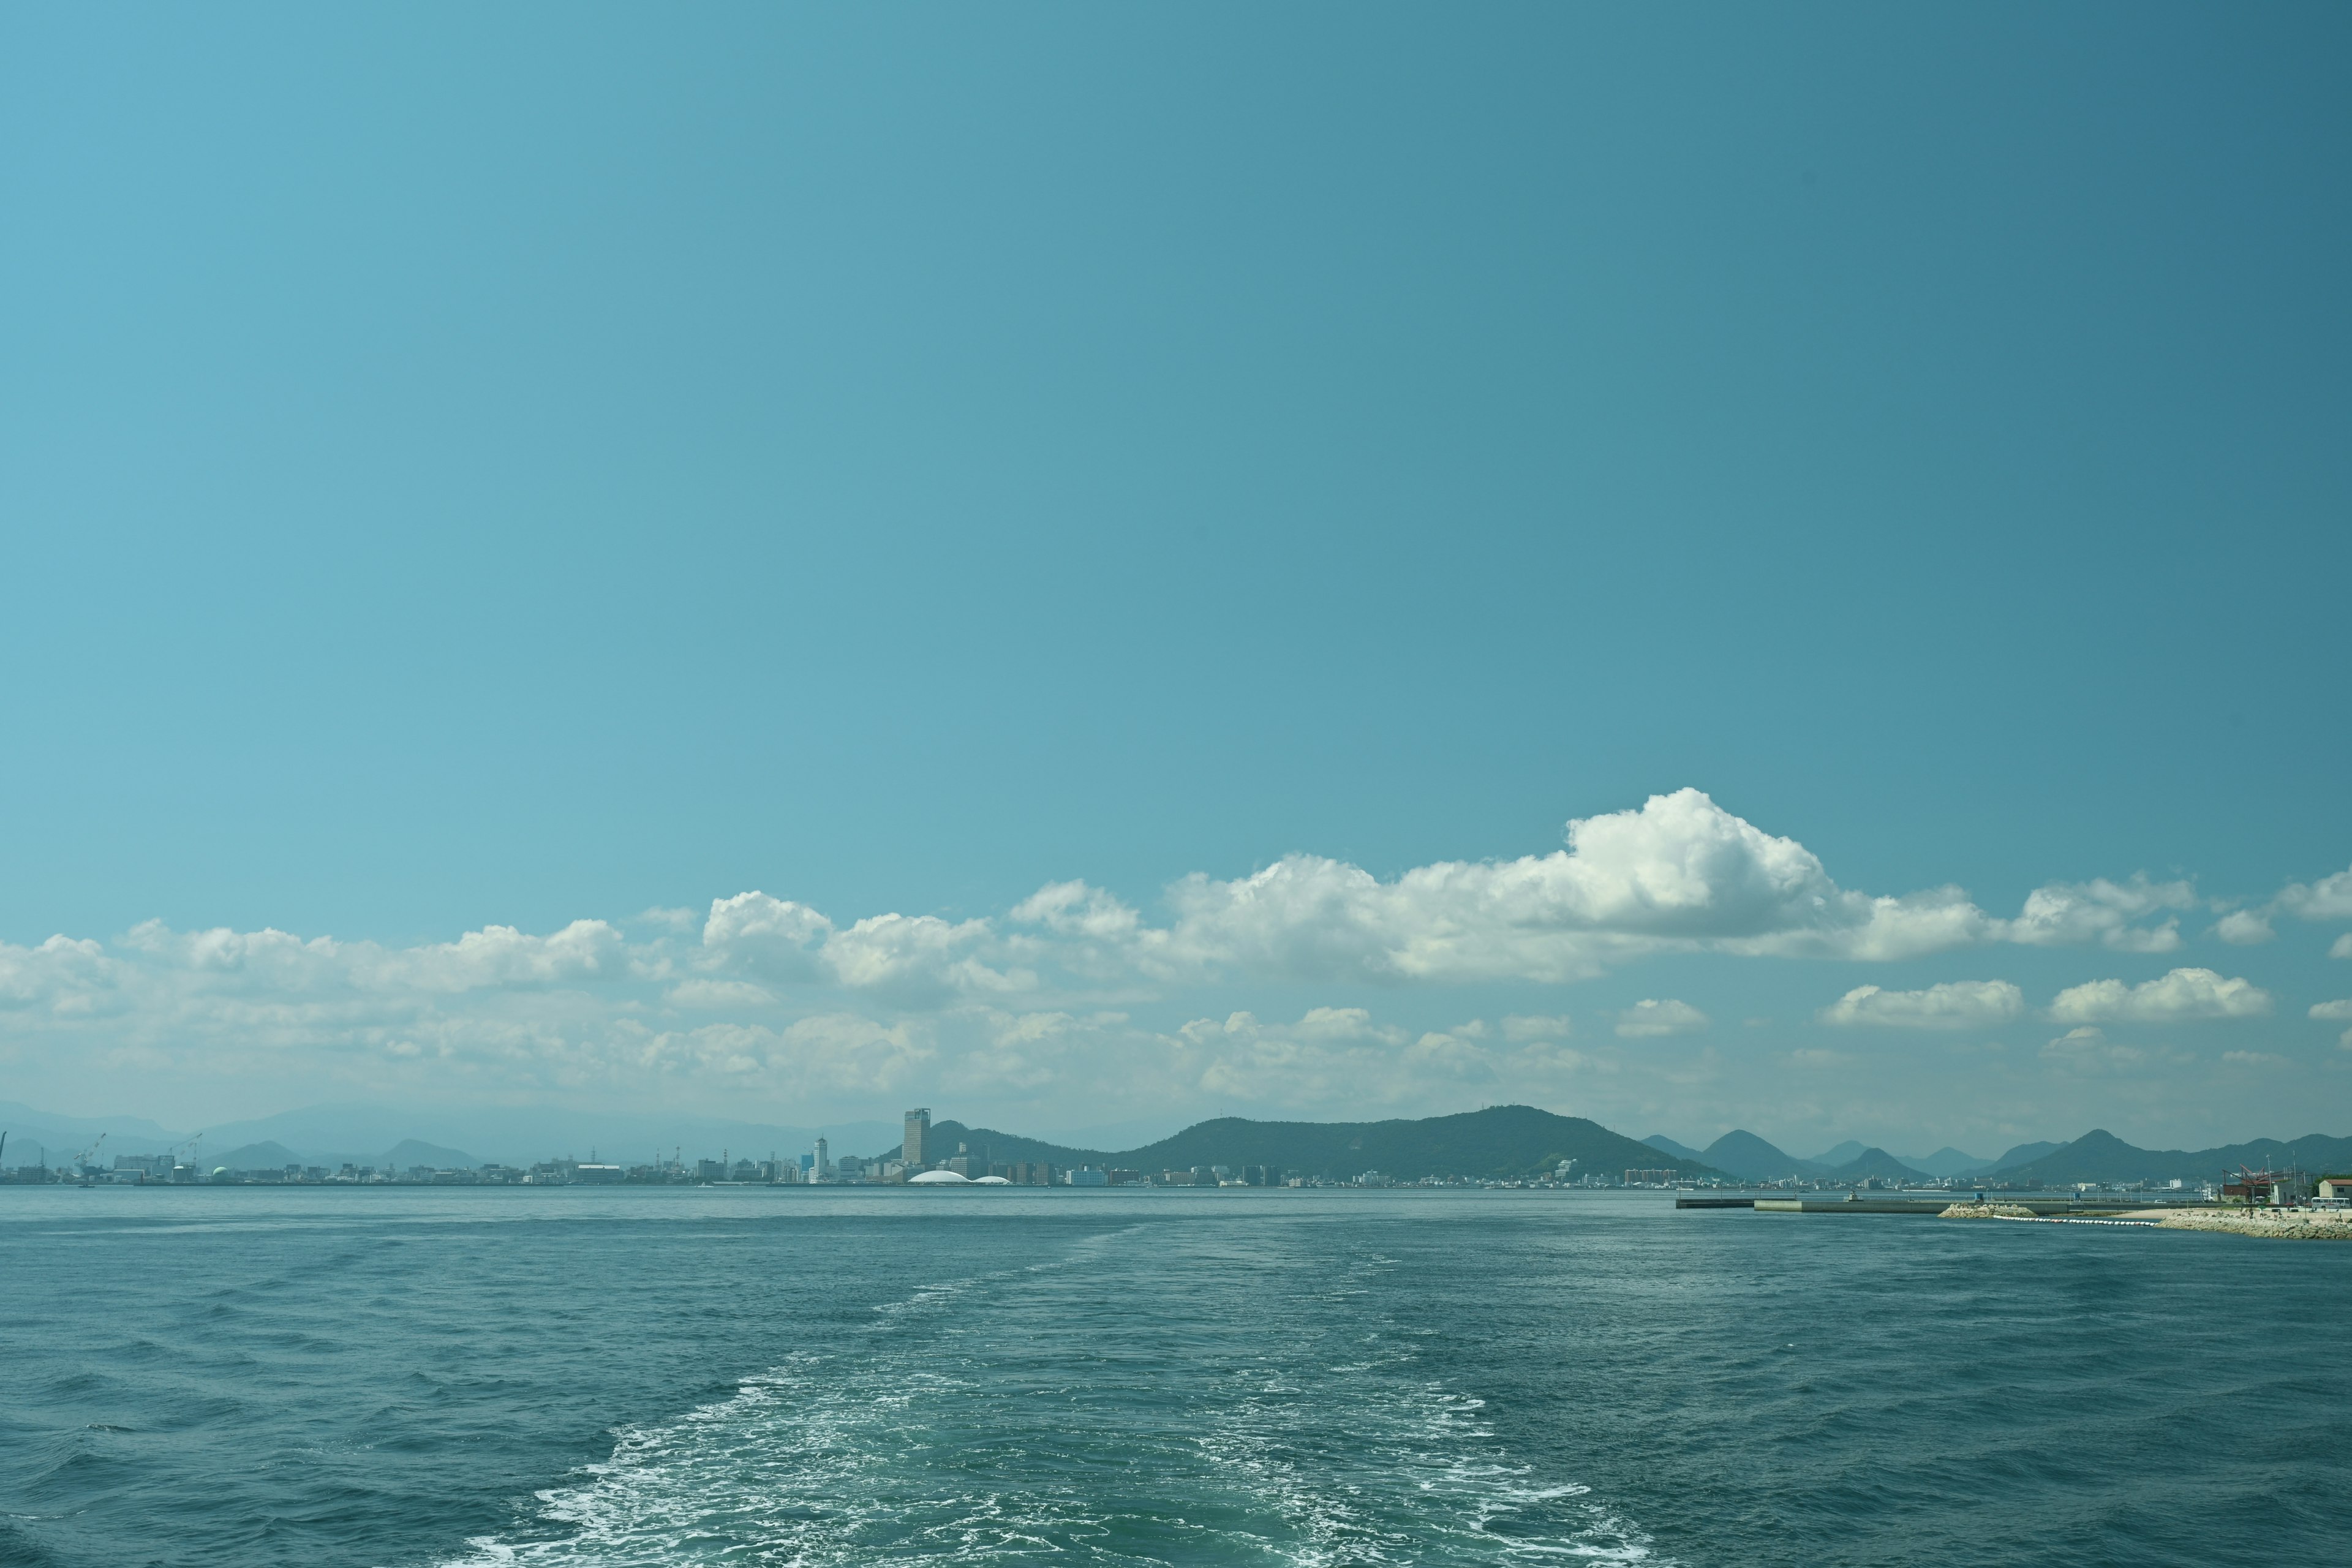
x=2335, y=1189
x=919, y=1129
x=824, y=1164
x=1089, y=1177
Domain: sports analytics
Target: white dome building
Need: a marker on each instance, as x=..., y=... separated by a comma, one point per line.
x=939, y=1179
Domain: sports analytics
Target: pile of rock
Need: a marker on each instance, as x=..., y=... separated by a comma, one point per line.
x=2298, y=1225
x=1988, y=1211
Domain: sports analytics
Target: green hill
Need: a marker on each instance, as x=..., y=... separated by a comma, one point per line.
x=1502, y=1141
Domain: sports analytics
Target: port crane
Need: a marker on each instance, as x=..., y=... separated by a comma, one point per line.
x=80, y=1165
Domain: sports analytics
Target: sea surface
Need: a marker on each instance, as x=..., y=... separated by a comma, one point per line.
x=412, y=1376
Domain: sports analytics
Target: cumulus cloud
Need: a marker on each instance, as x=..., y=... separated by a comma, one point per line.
x=2253, y=1059
x=764, y=935
x=2069, y=913
x=2329, y=898
x=2343, y=946
x=1679, y=874
x=2183, y=994
x=1954, y=1005
x=920, y=959
x=771, y=996
x=2244, y=928
x=1646, y=1019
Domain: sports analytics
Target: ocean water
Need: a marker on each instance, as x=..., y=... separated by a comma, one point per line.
x=253, y=1377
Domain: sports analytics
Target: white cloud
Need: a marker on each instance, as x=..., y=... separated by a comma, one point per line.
x=2342, y=947
x=2253, y=1059
x=770, y=936
x=62, y=976
x=1648, y=1018
x=2244, y=928
x=774, y=998
x=2066, y=914
x=2332, y=1011
x=503, y=956
x=919, y=959
x=2180, y=995
x=1954, y=1005
x=2329, y=898
x=1680, y=874
x=716, y=995
x=1073, y=908
x=2089, y=1050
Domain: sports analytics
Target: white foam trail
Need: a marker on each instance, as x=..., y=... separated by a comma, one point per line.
x=1106, y=1423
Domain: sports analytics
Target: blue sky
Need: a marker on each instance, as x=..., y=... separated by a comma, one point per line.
x=478, y=469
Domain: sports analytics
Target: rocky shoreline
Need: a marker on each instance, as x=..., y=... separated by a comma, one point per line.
x=2290, y=1225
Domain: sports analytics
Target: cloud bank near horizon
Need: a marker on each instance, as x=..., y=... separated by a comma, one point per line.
x=765, y=994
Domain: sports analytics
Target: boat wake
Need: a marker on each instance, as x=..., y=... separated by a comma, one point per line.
x=1119, y=1405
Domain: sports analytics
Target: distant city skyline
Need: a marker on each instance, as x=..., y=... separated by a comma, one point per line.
x=1094, y=565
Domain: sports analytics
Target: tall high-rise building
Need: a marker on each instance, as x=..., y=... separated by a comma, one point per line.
x=919, y=1127
x=824, y=1166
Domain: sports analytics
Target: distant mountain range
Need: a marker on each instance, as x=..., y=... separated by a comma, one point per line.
x=1502, y=1141
x=1743, y=1154
x=363, y=1134
x=2096, y=1156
